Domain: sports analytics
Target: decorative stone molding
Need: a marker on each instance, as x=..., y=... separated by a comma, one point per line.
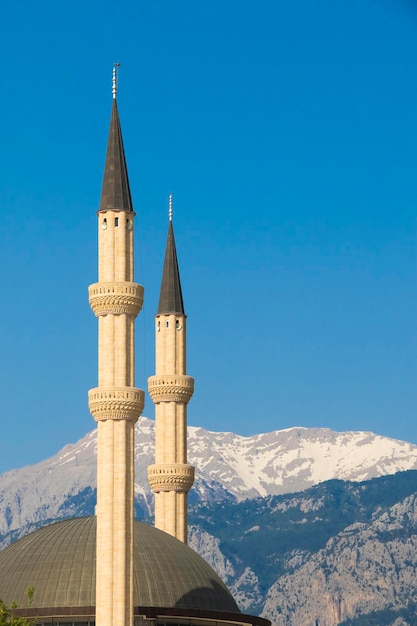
x=116, y=403
x=115, y=298
x=171, y=477
x=168, y=388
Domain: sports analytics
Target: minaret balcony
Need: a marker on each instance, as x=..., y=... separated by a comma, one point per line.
x=116, y=298
x=170, y=388
x=116, y=403
x=171, y=477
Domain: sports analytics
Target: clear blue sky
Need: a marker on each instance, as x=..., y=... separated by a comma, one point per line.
x=287, y=132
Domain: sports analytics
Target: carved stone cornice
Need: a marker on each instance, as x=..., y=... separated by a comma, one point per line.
x=171, y=477
x=169, y=388
x=116, y=403
x=115, y=298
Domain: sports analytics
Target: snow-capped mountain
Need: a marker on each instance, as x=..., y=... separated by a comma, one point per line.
x=228, y=466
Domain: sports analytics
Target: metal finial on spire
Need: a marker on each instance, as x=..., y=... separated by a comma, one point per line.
x=114, y=82
x=170, y=207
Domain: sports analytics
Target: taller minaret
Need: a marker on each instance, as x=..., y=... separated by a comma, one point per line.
x=116, y=403
x=170, y=389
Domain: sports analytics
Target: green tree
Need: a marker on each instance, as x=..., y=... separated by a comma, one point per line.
x=8, y=617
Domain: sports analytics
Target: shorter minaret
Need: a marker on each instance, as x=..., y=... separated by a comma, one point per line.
x=170, y=389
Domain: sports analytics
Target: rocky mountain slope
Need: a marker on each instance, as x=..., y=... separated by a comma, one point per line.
x=338, y=552
x=367, y=567
x=229, y=467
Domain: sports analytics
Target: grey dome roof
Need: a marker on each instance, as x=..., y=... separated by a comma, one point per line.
x=58, y=561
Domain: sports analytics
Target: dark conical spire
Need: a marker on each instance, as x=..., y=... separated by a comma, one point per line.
x=115, y=192
x=170, y=298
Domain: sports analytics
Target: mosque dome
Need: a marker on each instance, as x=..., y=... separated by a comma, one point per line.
x=58, y=563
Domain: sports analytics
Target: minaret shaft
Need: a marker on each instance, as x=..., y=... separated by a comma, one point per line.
x=170, y=344
x=115, y=404
x=114, y=523
x=115, y=242
x=116, y=339
x=170, y=417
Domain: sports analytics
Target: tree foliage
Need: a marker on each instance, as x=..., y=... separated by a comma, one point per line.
x=9, y=618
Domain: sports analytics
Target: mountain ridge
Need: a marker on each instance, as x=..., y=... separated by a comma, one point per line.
x=229, y=467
